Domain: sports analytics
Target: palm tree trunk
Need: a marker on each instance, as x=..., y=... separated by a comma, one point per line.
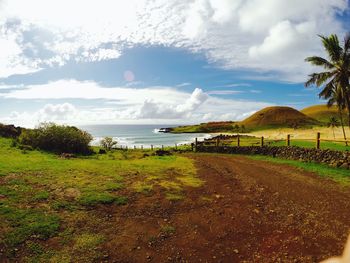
x=333, y=132
x=347, y=101
x=342, y=124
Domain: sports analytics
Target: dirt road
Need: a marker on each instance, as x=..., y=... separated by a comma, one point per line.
x=247, y=211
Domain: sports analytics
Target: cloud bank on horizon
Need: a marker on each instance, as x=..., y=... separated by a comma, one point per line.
x=269, y=36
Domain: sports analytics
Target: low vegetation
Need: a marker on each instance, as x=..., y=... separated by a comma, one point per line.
x=57, y=138
x=108, y=143
x=44, y=197
x=228, y=126
x=9, y=131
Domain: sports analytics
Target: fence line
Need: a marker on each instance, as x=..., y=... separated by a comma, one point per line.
x=262, y=141
x=221, y=141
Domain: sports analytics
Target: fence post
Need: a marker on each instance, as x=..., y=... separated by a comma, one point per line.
x=175, y=146
x=195, y=144
x=152, y=147
x=262, y=141
x=288, y=140
x=318, y=141
x=162, y=147
x=192, y=146
x=238, y=141
x=134, y=147
x=142, y=147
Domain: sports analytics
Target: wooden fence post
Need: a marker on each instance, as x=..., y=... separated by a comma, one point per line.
x=238, y=141
x=288, y=140
x=175, y=146
x=262, y=141
x=162, y=147
x=152, y=147
x=318, y=141
x=192, y=146
x=142, y=147
x=195, y=144
x=134, y=147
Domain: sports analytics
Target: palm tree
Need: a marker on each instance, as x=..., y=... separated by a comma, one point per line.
x=335, y=79
x=333, y=123
x=336, y=96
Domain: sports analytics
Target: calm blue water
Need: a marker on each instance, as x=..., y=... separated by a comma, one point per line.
x=137, y=135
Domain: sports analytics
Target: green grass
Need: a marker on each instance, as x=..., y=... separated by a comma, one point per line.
x=339, y=175
x=43, y=196
x=256, y=141
x=95, y=198
x=311, y=144
x=27, y=222
x=168, y=230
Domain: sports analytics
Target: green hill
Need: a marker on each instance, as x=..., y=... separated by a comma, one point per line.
x=270, y=117
x=323, y=113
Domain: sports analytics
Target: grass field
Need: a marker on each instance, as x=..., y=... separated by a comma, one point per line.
x=43, y=196
x=310, y=143
x=50, y=207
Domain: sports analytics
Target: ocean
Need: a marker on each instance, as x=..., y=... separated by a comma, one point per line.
x=141, y=135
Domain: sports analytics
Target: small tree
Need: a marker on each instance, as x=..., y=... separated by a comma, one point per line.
x=333, y=123
x=236, y=128
x=108, y=143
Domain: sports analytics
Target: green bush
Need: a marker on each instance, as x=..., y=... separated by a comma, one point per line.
x=108, y=143
x=9, y=131
x=57, y=138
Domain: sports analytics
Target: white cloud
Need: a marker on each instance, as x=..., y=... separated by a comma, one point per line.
x=236, y=34
x=12, y=60
x=184, y=84
x=158, y=110
x=59, y=113
x=224, y=92
x=123, y=104
x=52, y=112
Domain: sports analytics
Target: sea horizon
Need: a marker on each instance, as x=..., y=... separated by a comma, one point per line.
x=145, y=135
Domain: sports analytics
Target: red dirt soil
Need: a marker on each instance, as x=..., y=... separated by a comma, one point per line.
x=247, y=211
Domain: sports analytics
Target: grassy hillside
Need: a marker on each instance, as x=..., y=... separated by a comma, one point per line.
x=322, y=113
x=278, y=117
x=206, y=127
x=46, y=202
x=267, y=118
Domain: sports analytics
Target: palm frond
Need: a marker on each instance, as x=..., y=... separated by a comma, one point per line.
x=318, y=78
x=328, y=91
x=319, y=61
x=332, y=46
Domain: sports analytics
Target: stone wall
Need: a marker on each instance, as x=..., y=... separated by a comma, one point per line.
x=329, y=157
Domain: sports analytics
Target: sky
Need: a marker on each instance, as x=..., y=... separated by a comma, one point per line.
x=158, y=61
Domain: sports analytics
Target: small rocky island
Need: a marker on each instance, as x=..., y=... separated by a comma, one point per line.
x=165, y=130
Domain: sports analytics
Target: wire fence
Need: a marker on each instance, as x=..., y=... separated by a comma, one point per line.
x=243, y=140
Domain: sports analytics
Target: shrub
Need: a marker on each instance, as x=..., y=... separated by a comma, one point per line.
x=9, y=131
x=57, y=138
x=108, y=143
